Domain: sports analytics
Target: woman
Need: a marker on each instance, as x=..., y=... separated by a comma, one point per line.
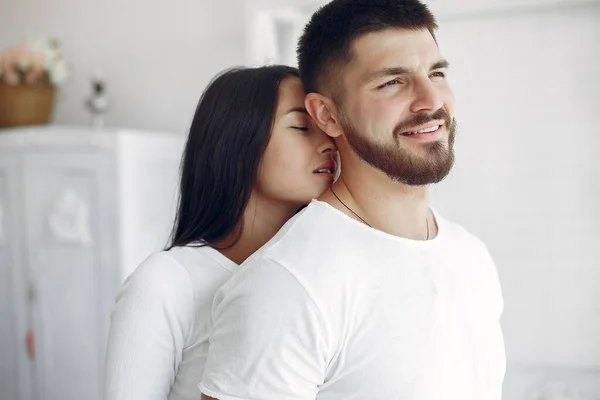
x=252, y=159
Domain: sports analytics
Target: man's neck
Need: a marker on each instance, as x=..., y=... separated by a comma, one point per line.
x=392, y=207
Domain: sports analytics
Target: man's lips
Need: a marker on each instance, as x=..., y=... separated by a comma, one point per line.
x=425, y=128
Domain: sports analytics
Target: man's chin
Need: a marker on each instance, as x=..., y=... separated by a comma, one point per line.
x=425, y=169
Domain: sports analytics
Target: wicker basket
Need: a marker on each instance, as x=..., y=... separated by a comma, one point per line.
x=26, y=104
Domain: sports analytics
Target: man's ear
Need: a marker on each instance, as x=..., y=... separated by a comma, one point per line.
x=324, y=112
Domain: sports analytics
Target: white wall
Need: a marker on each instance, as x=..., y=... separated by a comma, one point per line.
x=526, y=180
x=157, y=56
x=526, y=173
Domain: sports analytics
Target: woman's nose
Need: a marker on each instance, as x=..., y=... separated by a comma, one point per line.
x=328, y=145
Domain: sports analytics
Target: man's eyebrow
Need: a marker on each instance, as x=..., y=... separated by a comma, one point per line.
x=382, y=73
x=439, y=65
x=297, y=109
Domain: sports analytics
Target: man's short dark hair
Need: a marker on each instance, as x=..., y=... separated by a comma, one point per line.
x=325, y=46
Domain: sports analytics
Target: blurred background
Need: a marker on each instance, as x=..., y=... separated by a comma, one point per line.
x=75, y=215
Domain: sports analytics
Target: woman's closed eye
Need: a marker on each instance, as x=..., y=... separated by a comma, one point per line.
x=301, y=128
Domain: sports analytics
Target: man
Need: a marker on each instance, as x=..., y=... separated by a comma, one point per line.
x=367, y=293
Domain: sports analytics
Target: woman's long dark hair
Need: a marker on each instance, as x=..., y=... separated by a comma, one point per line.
x=227, y=139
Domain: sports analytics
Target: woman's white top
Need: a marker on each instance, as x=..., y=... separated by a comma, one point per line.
x=158, y=340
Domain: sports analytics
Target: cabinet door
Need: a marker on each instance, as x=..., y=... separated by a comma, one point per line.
x=15, y=364
x=70, y=235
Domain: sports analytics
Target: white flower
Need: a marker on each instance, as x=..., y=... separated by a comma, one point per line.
x=31, y=61
x=58, y=73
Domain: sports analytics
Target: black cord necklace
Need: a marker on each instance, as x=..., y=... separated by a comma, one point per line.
x=365, y=222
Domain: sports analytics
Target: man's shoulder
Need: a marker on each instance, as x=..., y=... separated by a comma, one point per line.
x=457, y=231
x=308, y=248
x=468, y=245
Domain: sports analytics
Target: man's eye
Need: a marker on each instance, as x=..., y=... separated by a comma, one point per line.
x=438, y=74
x=390, y=83
x=301, y=128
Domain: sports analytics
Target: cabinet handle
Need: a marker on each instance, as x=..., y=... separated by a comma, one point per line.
x=32, y=293
x=30, y=343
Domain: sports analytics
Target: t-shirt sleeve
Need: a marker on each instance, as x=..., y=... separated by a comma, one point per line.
x=269, y=339
x=496, y=337
x=149, y=327
x=494, y=287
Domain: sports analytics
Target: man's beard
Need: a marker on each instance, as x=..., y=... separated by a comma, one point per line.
x=401, y=164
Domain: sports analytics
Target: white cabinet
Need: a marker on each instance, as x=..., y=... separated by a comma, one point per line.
x=79, y=210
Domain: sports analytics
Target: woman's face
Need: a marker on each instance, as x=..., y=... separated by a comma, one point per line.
x=297, y=165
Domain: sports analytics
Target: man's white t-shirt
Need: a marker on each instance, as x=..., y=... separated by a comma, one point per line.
x=332, y=309
x=158, y=340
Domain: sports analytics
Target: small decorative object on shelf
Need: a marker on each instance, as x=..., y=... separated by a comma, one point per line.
x=30, y=72
x=97, y=102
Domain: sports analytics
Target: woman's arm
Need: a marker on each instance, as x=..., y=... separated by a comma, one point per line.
x=149, y=326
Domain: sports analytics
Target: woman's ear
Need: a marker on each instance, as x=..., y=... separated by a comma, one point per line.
x=324, y=113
